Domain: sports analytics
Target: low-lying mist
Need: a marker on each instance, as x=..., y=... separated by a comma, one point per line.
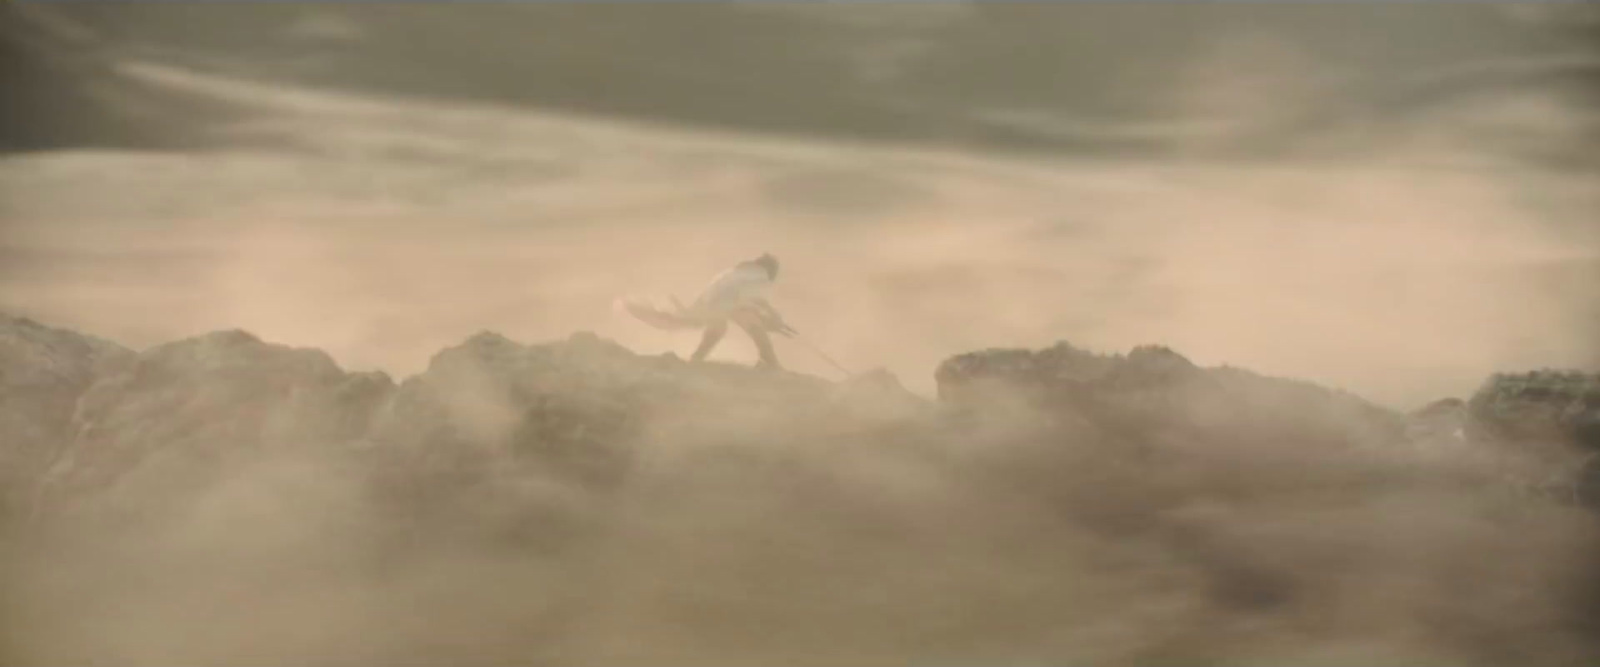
x=750, y=518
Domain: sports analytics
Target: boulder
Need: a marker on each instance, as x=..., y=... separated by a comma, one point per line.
x=44, y=372
x=1544, y=406
x=171, y=415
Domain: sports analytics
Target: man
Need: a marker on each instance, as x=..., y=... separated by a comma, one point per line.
x=737, y=295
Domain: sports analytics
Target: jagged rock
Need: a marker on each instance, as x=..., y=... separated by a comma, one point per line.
x=489, y=421
x=1544, y=406
x=496, y=428
x=175, y=411
x=1549, y=422
x=43, y=371
x=487, y=393
x=1441, y=423
x=1155, y=394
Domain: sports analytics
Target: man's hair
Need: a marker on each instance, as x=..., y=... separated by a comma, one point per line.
x=768, y=262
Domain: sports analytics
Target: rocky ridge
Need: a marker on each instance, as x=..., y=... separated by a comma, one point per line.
x=541, y=499
x=85, y=417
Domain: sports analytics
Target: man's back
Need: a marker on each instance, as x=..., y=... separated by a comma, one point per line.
x=739, y=295
x=739, y=286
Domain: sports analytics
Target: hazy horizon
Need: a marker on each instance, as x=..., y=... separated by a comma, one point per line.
x=382, y=231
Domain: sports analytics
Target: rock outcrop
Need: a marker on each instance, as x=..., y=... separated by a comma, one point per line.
x=103, y=428
x=44, y=372
x=1548, y=417
x=515, y=441
x=168, y=415
x=1154, y=394
x=1538, y=407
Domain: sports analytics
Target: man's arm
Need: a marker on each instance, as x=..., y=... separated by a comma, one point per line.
x=771, y=318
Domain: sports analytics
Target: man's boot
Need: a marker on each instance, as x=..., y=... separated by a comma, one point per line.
x=769, y=356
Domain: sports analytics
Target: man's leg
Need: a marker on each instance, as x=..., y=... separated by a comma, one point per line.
x=758, y=333
x=709, y=339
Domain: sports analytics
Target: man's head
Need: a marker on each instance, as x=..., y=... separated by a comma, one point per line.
x=768, y=262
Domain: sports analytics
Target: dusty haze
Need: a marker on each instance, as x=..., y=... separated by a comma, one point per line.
x=1403, y=251
x=1403, y=259
x=383, y=230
